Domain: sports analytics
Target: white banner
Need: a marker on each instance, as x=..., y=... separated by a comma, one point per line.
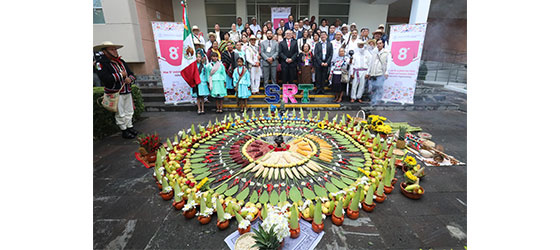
x=279, y=13
x=168, y=38
x=406, y=43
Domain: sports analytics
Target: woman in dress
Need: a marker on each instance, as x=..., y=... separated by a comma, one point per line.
x=242, y=81
x=216, y=75
x=229, y=64
x=338, y=64
x=201, y=91
x=305, y=64
x=224, y=42
x=304, y=39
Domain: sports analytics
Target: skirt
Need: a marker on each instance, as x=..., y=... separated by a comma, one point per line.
x=218, y=89
x=337, y=86
x=200, y=90
x=305, y=76
x=229, y=82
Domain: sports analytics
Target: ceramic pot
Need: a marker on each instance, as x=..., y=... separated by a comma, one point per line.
x=222, y=225
x=179, y=205
x=318, y=228
x=411, y=195
x=353, y=215
x=258, y=215
x=337, y=220
x=387, y=190
x=242, y=231
x=294, y=233
x=159, y=185
x=393, y=182
x=189, y=214
x=380, y=199
x=204, y=219
x=151, y=157
x=368, y=208
x=310, y=219
x=166, y=196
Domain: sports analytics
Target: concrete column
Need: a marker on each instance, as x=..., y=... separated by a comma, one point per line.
x=419, y=11
x=314, y=10
x=241, y=10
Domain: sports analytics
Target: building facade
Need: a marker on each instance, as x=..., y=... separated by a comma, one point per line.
x=128, y=22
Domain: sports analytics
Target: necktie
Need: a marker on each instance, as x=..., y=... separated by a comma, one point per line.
x=289, y=44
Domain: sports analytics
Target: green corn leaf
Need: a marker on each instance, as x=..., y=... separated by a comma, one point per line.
x=295, y=195
x=308, y=194
x=231, y=191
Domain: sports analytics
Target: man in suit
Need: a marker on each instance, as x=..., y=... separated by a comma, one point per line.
x=287, y=56
x=322, y=57
x=281, y=26
x=290, y=24
x=298, y=32
x=269, y=52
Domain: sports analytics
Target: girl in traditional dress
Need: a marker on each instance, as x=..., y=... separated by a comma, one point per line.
x=305, y=64
x=214, y=49
x=216, y=75
x=242, y=81
x=201, y=91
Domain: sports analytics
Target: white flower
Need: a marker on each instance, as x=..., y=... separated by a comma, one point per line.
x=198, y=194
x=244, y=224
x=249, y=216
x=190, y=205
x=180, y=194
x=281, y=225
x=180, y=133
x=359, y=204
x=251, y=184
x=323, y=199
x=324, y=216
x=227, y=216
x=207, y=212
x=167, y=189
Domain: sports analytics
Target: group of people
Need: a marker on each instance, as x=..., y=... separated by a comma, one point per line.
x=234, y=62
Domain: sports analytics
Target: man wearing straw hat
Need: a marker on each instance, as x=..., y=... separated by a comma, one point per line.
x=197, y=34
x=116, y=75
x=211, y=38
x=254, y=63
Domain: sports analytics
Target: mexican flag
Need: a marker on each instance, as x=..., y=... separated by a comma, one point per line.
x=189, y=73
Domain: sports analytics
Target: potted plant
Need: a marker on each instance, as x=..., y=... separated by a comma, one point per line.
x=337, y=217
x=243, y=225
x=157, y=172
x=389, y=179
x=205, y=213
x=148, y=146
x=267, y=239
x=223, y=218
x=379, y=195
x=368, y=205
x=318, y=224
x=409, y=162
x=294, y=222
x=308, y=209
x=178, y=201
x=166, y=190
x=353, y=210
x=189, y=210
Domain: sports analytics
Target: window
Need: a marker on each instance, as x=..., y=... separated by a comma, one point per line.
x=333, y=9
x=98, y=12
x=222, y=12
x=260, y=9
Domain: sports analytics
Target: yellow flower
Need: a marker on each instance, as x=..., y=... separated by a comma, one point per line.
x=410, y=161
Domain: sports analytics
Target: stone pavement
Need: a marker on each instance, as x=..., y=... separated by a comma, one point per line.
x=128, y=213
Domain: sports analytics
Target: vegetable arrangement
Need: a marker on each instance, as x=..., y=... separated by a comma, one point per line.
x=251, y=165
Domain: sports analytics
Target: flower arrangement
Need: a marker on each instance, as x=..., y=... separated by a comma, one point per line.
x=149, y=143
x=278, y=223
x=410, y=161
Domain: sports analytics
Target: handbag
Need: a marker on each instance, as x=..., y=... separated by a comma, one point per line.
x=111, y=101
x=345, y=77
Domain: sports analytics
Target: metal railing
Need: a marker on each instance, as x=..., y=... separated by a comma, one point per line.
x=443, y=66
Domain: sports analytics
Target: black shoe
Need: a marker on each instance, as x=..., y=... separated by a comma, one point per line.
x=127, y=135
x=132, y=131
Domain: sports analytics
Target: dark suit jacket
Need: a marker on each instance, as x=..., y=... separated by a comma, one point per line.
x=298, y=34
x=318, y=54
x=292, y=52
x=287, y=26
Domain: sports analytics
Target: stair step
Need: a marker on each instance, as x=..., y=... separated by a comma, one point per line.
x=296, y=96
x=293, y=105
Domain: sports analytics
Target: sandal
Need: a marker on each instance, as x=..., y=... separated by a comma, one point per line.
x=360, y=100
x=352, y=100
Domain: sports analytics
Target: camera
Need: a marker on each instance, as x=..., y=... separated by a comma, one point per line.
x=351, y=53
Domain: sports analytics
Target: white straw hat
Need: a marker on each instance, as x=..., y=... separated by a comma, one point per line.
x=105, y=45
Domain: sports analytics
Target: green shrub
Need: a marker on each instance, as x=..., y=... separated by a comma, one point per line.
x=104, y=121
